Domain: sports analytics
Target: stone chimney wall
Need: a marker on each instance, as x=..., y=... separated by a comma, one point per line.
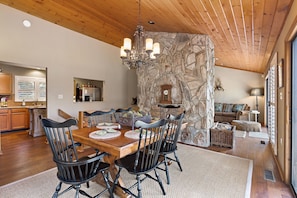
x=187, y=63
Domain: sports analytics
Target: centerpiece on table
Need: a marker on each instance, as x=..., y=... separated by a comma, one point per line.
x=129, y=118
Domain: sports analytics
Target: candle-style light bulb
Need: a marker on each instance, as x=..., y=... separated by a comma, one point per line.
x=127, y=44
x=148, y=45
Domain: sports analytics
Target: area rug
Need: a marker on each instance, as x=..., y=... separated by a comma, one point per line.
x=206, y=174
x=241, y=134
x=259, y=135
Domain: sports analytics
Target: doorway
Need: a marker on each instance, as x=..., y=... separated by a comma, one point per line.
x=27, y=92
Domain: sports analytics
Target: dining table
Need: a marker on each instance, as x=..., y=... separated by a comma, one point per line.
x=115, y=147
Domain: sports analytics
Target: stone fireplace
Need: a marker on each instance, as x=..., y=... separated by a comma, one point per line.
x=186, y=63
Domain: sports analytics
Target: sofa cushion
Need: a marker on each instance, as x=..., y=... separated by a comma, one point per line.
x=227, y=107
x=218, y=107
x=238, y=107
x=219, y=113
x=229, y=114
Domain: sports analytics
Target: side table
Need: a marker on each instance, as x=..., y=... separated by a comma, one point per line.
x=256, y=113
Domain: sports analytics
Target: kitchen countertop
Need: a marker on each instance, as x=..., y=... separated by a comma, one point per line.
x=28, y=107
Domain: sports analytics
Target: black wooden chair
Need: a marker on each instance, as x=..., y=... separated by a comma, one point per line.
x=97, y=117
x=145, y=159
x=169, y=144
x=72, y=170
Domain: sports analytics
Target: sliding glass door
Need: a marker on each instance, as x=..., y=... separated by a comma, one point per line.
x=294, y=115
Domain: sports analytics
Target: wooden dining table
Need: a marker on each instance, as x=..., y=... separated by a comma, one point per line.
x=115, y=148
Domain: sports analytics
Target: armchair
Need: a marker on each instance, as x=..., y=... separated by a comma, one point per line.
x=169, y=144
x=72, y=170
x=145, y=159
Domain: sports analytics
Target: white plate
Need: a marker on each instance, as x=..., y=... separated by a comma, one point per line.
x=134, y=134
x=103, y=134
x=106, y=125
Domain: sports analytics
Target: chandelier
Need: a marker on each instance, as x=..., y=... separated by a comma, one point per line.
x=143, y=51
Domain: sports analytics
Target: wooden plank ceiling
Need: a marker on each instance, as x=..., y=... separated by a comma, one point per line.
x=244, y=32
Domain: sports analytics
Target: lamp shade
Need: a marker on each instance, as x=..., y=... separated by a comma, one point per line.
x=257, y=92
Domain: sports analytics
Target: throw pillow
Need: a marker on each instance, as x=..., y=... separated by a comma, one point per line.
x=215, y=125
x=222, y=126
x=237, y=107
x=228, y=107
x=218, y=107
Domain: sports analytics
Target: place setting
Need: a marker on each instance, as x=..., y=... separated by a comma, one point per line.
x=108, y=125
x=135, y=134
x=106, y=131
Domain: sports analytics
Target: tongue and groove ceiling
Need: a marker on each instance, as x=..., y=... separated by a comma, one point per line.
x=244, y=32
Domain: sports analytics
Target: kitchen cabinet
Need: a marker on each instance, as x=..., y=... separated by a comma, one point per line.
x=5, y=84
x=5, y=120
x=19, y=118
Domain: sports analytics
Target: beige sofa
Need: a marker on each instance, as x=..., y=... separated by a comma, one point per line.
x=225, y=112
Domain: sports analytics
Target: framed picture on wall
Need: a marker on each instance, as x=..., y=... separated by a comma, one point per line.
x=280, y=73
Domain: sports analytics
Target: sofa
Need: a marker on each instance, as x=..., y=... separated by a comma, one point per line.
x=226, y=112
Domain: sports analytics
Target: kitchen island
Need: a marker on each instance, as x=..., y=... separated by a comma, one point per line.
x=36, y=128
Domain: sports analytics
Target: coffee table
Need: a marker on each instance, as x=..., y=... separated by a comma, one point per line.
x=246, y=125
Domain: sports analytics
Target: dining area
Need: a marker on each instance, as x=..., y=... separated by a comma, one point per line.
x=138, y=147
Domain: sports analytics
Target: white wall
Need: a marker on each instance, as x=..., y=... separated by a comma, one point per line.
x=237, y=85
x=66, y=54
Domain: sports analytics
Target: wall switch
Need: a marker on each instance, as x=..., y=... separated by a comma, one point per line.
x=60, y=96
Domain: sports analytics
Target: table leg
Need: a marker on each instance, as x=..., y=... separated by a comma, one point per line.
x=113, y=171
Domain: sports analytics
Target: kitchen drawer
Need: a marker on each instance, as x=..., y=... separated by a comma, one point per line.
x=19, y=110
x=4, y=111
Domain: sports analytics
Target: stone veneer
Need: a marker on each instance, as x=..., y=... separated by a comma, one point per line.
x=187, y=63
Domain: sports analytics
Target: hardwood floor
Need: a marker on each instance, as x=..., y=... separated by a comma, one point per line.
x=24, y=155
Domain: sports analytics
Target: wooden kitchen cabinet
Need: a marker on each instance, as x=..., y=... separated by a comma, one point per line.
x=5, y=84
x=5, y=120
x=19, y=118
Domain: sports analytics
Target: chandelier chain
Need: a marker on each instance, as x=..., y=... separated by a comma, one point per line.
x=139, y=13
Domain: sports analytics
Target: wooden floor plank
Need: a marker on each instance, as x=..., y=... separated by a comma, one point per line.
x=24, y=155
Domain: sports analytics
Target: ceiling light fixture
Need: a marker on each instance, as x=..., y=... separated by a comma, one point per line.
x=26, y=23
x=143, y=51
